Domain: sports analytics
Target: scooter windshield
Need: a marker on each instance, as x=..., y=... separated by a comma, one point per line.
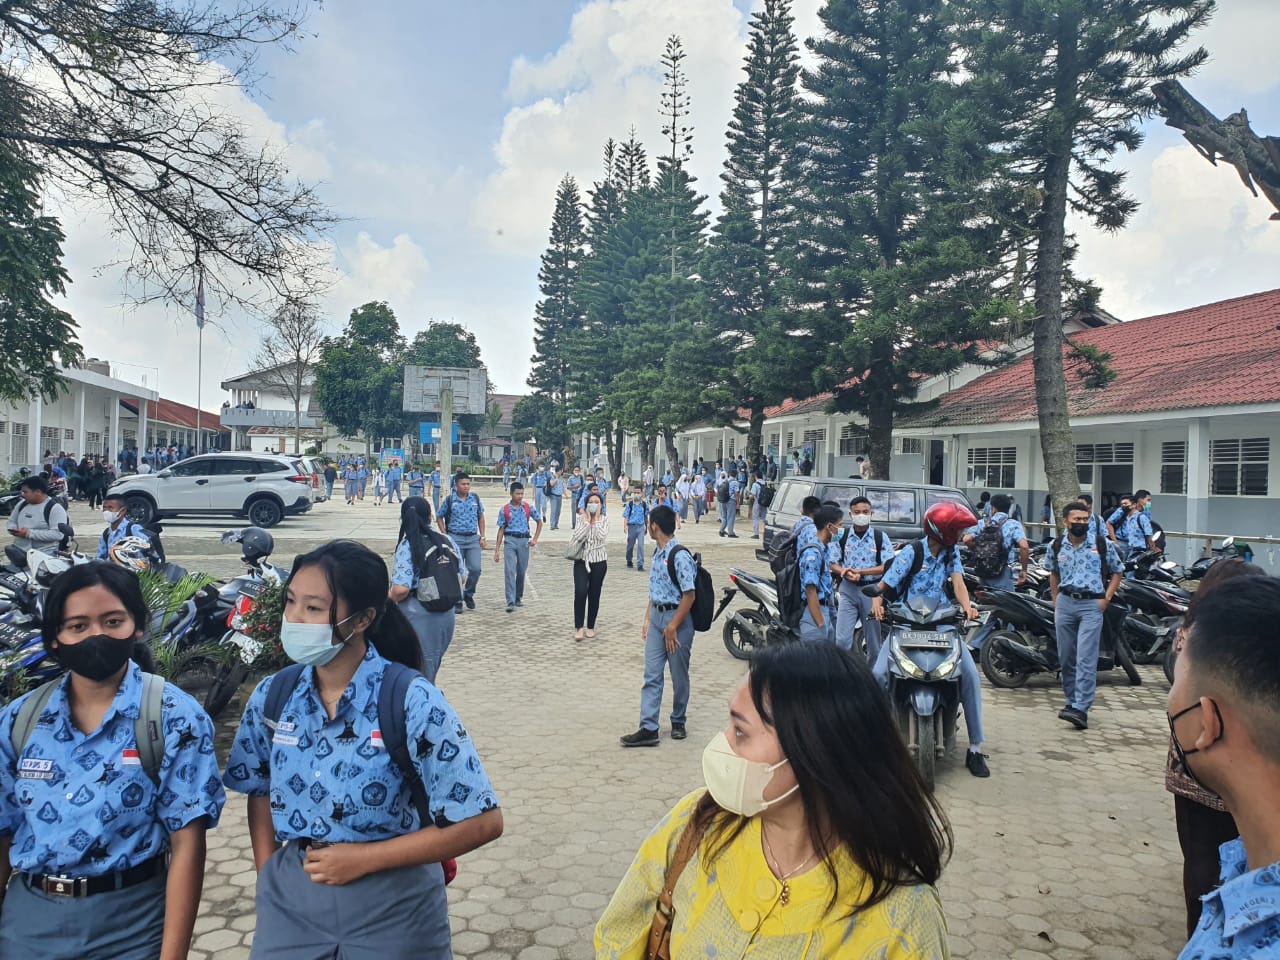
x=927, y=610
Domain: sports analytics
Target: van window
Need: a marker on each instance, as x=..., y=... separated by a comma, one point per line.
x=945, y=496
x=892, y=506
x=794, y=497
x=840, y=493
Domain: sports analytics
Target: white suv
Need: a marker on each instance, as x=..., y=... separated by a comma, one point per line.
x=263, y=487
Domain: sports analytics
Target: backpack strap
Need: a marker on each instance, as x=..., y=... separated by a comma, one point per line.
x=880, y=538
x=393, y=725
x=48, y=508
x=282, y=685
x=148, y=729
x=1102, y=559
x=671, y=564
x=29, y=713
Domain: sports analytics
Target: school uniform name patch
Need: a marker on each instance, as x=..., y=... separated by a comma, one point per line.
x=32, y=769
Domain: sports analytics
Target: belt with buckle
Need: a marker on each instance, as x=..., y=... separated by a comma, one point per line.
x=664, y=607
x=305, y=843
x=517, y=536
x=1083, y=595
x=87, y=886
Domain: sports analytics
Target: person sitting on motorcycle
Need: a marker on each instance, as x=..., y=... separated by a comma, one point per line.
x=119, y=525
x=944, y=524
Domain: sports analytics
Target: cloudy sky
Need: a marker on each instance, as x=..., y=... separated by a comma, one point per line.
x=439, y=131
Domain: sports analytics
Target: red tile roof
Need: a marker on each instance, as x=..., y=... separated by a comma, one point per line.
x=1221, y=354
x=176, y=414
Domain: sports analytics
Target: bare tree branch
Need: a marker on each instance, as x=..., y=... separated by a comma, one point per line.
x=288, y=355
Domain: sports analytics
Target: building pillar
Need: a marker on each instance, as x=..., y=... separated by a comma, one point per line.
x=1197, y=479
x=35, y=443
x=142, y=426
x=80, y=438
x=117, y=438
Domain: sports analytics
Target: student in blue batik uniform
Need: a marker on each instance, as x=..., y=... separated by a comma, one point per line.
x=540, y=480
x=944, y=523
x=119, y=525
x=1080, y=600
x=415, y=539
x=463, y=519
x=1224, y=711
x=514, y=542
x=102, y=862
x=858, y=567
x=392, y=480
x=345, y=867
x=636, y=517
x=351, y=482
x=555, y=493
x=416, y=480
x=573, y=489
x=1013, y=539
x=434, y=480
x=817, y=621
x=667, y=632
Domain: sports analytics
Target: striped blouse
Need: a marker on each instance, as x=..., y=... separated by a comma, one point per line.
x=596, y=537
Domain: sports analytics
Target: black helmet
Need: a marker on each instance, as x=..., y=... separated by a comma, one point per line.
x=257, y=543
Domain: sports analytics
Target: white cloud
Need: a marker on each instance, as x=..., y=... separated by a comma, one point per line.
x=369, y=271
x=1198, y=237
x=604, y=79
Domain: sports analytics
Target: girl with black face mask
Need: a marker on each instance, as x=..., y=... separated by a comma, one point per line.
x=103, y=836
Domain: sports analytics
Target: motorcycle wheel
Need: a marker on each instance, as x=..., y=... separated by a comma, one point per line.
x=738, y=639
x=1126, y=661
x=927, y=750
x=1001, y=669
x=1170, y=658
x=224, y=688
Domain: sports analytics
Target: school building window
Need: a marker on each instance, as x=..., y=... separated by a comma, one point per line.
x=732, y=449
x=1173, y=467
x=993, y=467
x=1089, y=455
x=18, y=444
x=773, y=443
x=853, y=440
x=908, y=445
x=1238, y=468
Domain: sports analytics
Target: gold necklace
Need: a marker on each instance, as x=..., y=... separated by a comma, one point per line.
x=785, y=897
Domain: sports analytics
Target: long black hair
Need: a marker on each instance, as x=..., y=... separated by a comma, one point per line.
x=120, y=582
x=415, y=521
x=359, y=576
x=859, y=787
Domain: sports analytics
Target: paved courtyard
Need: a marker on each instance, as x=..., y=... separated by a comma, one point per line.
x=1068, y=851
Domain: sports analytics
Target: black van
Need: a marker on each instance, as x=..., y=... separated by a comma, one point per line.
x=896, y=508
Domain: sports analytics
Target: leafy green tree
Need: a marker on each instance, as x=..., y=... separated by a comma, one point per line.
x=558, y=315
x=1066, y=84
x=538, y=416
x=37, y=335
x=896, y=250
x=448, y=345
x=359, y=379
x=755, y=358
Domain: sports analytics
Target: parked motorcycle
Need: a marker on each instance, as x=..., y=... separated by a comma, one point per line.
x=925, y=647
x=1021, y=640
x=1158, y=607
x=1229, y=549
x=747, y=629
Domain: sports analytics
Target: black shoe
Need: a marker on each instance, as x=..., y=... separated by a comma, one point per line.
x=640, y=568
x=733, y=536
x=519, y=603
x=457, y=608
x=678, y=731
x=470, y=602
x=630, y=565
x=641, y=738
x=511, y=608
x=1077, y=718
x=722, y=533
x=976, y=763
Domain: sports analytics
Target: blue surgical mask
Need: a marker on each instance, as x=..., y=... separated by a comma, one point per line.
x=310, y=644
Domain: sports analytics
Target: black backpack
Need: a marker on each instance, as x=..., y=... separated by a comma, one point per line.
x=785, y=564
x=990, y=559
x=439, y=588
x=765, y=496
x=1100, y=542
x=722, y=491
x=703, y=610
x=917, y=561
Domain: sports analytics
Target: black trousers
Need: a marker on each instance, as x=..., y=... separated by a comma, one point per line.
x=586, y=592
x=1201, y=831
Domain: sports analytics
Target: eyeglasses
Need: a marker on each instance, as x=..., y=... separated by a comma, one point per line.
x=1177, y=747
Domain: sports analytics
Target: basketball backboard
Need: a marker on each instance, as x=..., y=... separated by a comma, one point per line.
x=422, y=386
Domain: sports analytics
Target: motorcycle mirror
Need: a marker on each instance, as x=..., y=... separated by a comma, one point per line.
x=871, y=590
x=16, y=556
x=66, y=530
x=1228, y=543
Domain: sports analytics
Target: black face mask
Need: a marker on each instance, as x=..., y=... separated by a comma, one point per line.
x=1078, y=529
x=95, y=658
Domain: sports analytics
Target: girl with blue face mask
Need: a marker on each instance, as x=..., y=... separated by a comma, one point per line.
x=346, y=867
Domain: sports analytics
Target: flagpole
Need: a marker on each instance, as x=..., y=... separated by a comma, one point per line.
x=199, y=347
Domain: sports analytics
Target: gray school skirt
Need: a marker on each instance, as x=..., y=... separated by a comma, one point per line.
x=119, y=925
x=393, y=915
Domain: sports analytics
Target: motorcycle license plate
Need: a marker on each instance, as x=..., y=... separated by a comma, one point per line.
x=252, y=590
x=924, y=640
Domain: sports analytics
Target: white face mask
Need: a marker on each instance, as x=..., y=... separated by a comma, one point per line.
x=736, y=783
x=310, y=644
x=861, y=519
x=110, y=516
x=593, y=508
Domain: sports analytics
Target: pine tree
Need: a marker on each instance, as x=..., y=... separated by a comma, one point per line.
x=895, y=247
x=558, y=315
x=1067, y=82
x=744, y=268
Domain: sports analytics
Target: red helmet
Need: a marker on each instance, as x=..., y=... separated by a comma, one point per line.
x=946, y=522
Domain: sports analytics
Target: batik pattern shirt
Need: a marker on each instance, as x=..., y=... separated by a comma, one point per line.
x=1079, y=569
x=333, y=780
x=860, y=550
x=815, y=570
x=934, y=572
x=519, y=522
x=1241, y=919
x=661, y=589
x=81, y=805
x=462, y=517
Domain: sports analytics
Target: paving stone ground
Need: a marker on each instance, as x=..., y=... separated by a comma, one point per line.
x=1068, y=851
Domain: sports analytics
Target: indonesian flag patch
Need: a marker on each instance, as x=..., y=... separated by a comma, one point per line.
x=130, y=758
x=375, y=739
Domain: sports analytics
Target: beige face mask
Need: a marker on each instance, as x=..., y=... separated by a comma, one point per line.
x=736, y=783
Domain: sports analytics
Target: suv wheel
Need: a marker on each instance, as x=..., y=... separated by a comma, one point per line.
x=139, y=509
x=265, y=513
